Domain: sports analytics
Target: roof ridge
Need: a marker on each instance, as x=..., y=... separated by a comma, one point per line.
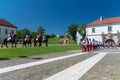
x=4, y=22
x=107, y=18
x=112, y=17
x=105, y=21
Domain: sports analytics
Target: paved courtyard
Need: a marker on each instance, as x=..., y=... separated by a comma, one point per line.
x=103, y=64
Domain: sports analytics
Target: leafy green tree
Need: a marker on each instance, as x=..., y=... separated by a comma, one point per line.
x=50, y=35
x=18, y=33
x=53, y=35
x=47, y=35
x=61, y=36
x=21, y=33
x=33, y=34
x=24, y=32
x=72, y=31
x=40, y=30
x=82, y=29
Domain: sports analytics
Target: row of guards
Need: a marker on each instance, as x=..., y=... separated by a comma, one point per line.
x=88, y=44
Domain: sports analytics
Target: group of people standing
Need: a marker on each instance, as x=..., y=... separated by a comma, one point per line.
x=88, y=44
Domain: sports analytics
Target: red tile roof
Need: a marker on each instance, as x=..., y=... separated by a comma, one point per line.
x=105, y=21
x=6, y=23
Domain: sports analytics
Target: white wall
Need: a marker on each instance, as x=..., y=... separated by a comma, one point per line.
x=101, y=28
x=98, y=38
x=116, y=27
x=3, y=28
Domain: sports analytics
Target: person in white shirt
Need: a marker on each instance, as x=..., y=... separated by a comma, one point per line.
x=27, y=37
x=9, y=36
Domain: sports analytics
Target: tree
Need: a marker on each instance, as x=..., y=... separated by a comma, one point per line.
x=33, y=34
x=47, y=35
x=53, y=35
x=72, y=30
x=18, y=33
x=61, y=36
x=40, y=30
x=24, y=32
x=21, y=33
x=82, y=29
x=50, y=35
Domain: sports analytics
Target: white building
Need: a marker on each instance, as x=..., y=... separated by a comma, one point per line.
x=104, y=30
x=5, y=28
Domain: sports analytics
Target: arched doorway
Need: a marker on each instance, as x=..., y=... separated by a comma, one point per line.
x=110, y=42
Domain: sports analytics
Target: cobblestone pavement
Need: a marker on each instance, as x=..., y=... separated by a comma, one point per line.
x=43, y=71
x=106, y=69
x=24, y=59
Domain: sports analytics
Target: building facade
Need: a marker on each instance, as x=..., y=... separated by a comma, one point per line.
x=104, y=30
x=5, y=28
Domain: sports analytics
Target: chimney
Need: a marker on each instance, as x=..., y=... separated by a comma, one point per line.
x=101, y=18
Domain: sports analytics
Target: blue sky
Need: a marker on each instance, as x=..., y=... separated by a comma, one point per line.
x=56, y=15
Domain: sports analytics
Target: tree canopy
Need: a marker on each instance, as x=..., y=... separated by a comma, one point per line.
x=72, y=30
x=40, y=30
x=82, y=29
x=75, y=27
x=21, y=33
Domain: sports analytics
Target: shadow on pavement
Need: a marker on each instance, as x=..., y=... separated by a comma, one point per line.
x=22, y=56
x=37, y=58
x=4, y=59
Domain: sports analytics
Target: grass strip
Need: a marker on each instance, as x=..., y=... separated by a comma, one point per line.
x=16, y=52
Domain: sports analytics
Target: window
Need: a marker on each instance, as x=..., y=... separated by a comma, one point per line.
x=0, y=31
x=6, y=31
x=12, y=31
x=93, y=30
x=109, y=28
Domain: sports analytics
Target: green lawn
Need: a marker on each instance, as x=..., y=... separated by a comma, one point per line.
x=53, y=40
x=57, y=40
x=17, y=52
